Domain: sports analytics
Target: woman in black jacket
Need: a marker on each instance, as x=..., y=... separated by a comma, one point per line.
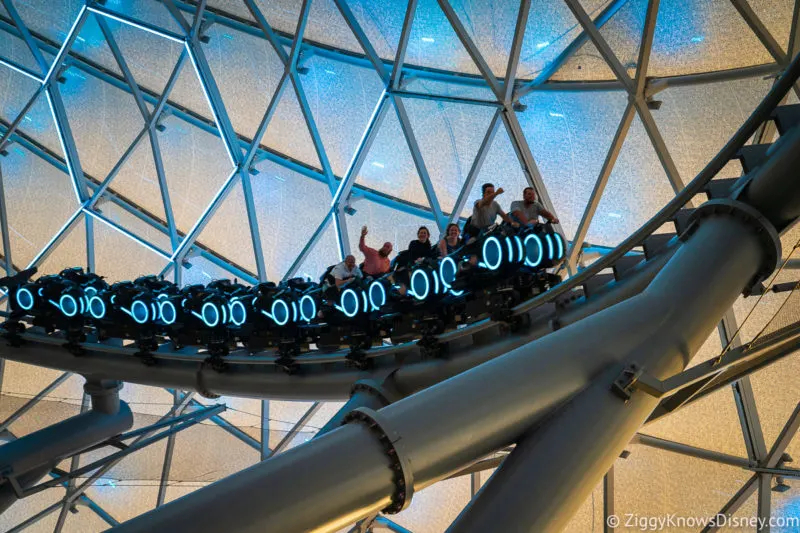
x=421, y=248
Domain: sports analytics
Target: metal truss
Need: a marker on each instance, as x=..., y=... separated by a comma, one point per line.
x=243, y=152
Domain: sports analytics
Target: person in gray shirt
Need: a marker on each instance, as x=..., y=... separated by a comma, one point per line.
x=485, y=210
x=528, y=210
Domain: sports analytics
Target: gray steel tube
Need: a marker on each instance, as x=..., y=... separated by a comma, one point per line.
x=580, y=443
x=63, y=439
x=7, y=495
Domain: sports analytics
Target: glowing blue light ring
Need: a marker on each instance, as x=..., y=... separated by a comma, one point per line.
x=286, y=308
x=209, y=305
x=155, y=311
x=435, y=282
x=30, y=297
x=74, y=303
x=236, y=303
x=528, y=262
x=313, y=308
x=427, y=285
x=342, y=306
x=456, y=293
x=162, y=296
x=101, y=314
x=132, y=312
x=560, y=241
x=83, y=305
x=86, y=292
x=365, y=300
x=294, y=311
x=510, y=250
x=447, y=259
x=375, y=306
x=549, y=240
x=499, y=253
x=520, y=249
x=161, y=313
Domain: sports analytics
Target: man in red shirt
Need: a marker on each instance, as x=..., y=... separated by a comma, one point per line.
x=376, y=262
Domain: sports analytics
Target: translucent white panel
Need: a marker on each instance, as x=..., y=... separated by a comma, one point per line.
x=653, y=483
x=288, y=132
x=206, y=452
x=228, y=232
x=137, y=179
x=234, y=7
x=149, y=57
x=324, y=254
x=623, y=33
x=589, y=516
x=382, y=22
x=104, y=122
x=636, y=190
x=15, y=92
x=124, y=500
x=281, y=15
x=491, y=26
x=152, y=12
x=551, y=28
x=434, y=508
x=776, y=16
x=501, y=168
x=776, y=395
x=711, y=423
x=570, y=134
x=385, y=224
x=342, y=98
x=434, y=43
x=51, y=19
x=702, y=36
x=247, y=70
x=70, y=252
x=118, y=257
x=282, y=418
x=39, y=199
x=189, y=93
x=449, y=136
x=196, y=165
x=325, y=24
x=145, y=399
x=388, y=166
x=27, y=507
x=202, y=271
x=697, y=121
x=290, y=207
x=746, y=513
x=134, y=224
x=14, y=48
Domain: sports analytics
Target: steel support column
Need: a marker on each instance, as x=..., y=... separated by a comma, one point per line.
x=608, y=501
x=7, y=258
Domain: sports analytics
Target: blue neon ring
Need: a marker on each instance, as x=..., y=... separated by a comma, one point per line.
x=74, y=305
x=528, y=262
x=549, y=240
x=344, y=308
x=447, y=260
x=417, y=295
x=499, y=253
x=560, y=241
x=146, y=312
x=93, y=308
x=29, y=299
x=308, y=317
x=510, y=250
x=206, y=321
x=376, y=306
x=237, y=318
x=286, y=312
x=520, y=249
x=168, y=317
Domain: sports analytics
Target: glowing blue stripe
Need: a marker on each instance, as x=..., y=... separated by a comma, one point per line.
x=133, y=313
x=560, y=242
x=366, y=303
x=170, y=318
x=510, y=250
x=62, y=141
x=520, y=249
x=133, y=23
x=294, y=311
x=128, y=234
x=74, y=305
x=21, y=70
x=93, y=310
x=63, y=49
x=236, y=304
x=435, y=282
x=377, y=306
x=549, y=240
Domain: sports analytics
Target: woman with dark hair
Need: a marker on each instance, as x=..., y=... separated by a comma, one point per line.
x=451, y=240
x=421, y=247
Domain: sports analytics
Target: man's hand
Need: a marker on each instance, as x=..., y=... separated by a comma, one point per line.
x=554, y=221
x=499, y=191
x=515, y=224
x=363, y=231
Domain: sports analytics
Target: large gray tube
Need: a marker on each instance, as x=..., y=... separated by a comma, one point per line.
x=578, y=445
x=8, y=496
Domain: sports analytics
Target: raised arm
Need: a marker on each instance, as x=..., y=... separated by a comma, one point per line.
x=487, y=200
